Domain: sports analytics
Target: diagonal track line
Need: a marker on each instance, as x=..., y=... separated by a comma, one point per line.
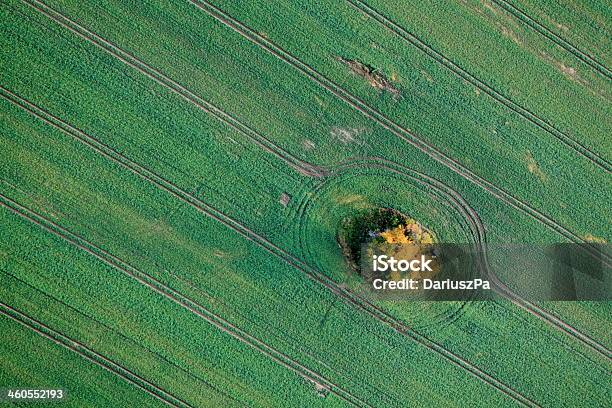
x=91, y=355
x=157, y=76
x=117, y=332
x=309, y=169
x=174, y=296
x=215, y=214
x=463, y=74
x=397, y=130
x=552, y=36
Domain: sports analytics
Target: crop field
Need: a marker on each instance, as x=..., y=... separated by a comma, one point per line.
x=174, y=174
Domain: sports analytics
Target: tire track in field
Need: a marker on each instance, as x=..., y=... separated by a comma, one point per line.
x=90, y=355
x=376, y=116
x=290, y=341
x=299, y=165
x=174, y=296
x=320, y=172
x=344, y=173
x=157, y=76
x=480, y=238
x=551, y=318
x=118, y=333
x=585, y=57
x=481, y=85
x=284, y=157
x=217, y=215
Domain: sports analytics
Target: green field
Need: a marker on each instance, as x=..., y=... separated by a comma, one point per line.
x=174, y=175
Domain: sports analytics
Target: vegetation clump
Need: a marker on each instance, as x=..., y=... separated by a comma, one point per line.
x=381, y=229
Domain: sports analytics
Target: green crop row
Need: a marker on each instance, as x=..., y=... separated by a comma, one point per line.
x=168, y=132
x=239, y=280
x=151, y=229
x=483, y=136
x=585, y=25
x=79, y=296
x=233, y=277
x=30, y=361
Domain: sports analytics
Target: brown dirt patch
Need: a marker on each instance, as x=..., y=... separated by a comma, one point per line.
x=375, y=78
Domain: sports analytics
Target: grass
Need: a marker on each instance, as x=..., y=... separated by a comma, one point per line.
x=263, y=285
x=583, y=25
x=35, y=363
x=529, y=72
x=240, y=284
x=125, y=321
x=487, y=143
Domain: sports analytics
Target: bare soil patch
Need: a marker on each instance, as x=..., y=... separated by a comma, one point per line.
x=374, y=77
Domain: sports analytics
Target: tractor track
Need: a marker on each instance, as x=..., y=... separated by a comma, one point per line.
x=556, y=38
x=299, y=165
x=287, y=339
x=397, y=130
x=348, y=170
x=550, y=318
x=211, y=212
x=506, y=197
x=121, y=335
x=163, y=80
x=317, y=276
x=91, y=355
x=174, y=296
x=479, y=232
x=481, y=85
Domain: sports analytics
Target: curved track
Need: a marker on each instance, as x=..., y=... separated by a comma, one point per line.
x=294, y=162
x=376, y=116
x=89, y=354
x=183, y=301
x=261, y=241
x=303, y=168
x=345, y=174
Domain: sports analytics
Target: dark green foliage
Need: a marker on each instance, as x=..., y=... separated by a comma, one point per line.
x=362, y=228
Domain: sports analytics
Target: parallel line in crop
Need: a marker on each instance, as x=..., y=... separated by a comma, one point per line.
x=168, y=83
x=433, y=186
x=118, y=333
x=425, y=147
x=283, y=338
x=308, y=168
x=496, y=95
x=243, y=230
x=479, y=235
x=91, y=355
x=373, y=114
x=556, y=38
x=481, y=238
x=176, y=297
